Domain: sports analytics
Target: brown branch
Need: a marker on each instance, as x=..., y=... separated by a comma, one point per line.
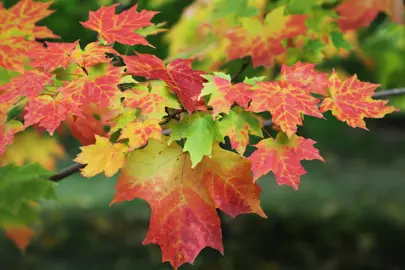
x=77, y=167
x=67, y=172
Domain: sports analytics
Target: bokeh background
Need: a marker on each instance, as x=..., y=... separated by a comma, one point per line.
x=349, y=212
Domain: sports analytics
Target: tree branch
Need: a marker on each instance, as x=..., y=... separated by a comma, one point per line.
x=67, y=172
x=77, y=167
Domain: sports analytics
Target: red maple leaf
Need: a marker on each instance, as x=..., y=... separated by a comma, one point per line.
x=53, y=56
x=48, y=112
x=351, y=101
x=304, y=75
x=183, y=200
x=121, y=27
x=185, y=82
x=286, y=102
x=283, y=157
x=29, y=84
x=42, y=32
x=360, y=13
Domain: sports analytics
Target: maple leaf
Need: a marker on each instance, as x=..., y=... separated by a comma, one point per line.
x=29, y=84
x=183, y=200
x=200, y=131
x=262, y=40
x=351, y=100
x=92, y=123
x=21, y=236
x=102, y=156
x=31, y=147
x=112, y=27
x=13, y=52
x=224, y=94
x=7, y=131
x=283, y=157
x=360, y=13
x=42, y=32
x=303, y=75
x=100, y=87
x=140, y=132
x=286, y=102
x=48, y=112
x=185, y=82
x=29, y=12
x=151, y=101
x=92, y=54
x=237, y=125
x=22, y=187
x=54, y=55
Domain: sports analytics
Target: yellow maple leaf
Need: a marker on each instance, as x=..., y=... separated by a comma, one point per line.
x=31, y=147
x=102, y=156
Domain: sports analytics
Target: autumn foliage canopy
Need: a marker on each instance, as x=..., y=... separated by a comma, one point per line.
x=162, y=124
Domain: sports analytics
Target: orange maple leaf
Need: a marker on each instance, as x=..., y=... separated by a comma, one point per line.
x=262, y=40
x=102, y=156
x=283, y=157
x=351, y=100
x=139, y=132
x=304, y=75
x=101, y=89
x=360, y=13
x=183, y=200
x=14, y=45
x=185, y=82
x=21, y=236
x=121, y=27
x=30, y=12
x=286, y=102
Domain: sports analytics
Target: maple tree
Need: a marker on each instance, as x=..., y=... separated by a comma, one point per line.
x=164, y=132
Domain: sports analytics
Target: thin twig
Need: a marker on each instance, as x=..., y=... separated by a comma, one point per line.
x=76, y=167
x=67, y=172
x=389, y=93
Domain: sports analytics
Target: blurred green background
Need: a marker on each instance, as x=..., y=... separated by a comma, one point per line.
x=349, y=212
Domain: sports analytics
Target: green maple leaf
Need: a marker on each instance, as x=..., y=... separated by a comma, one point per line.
x=20, y=189
x=200, y=132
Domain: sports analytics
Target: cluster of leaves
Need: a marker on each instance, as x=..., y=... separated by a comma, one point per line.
x=164, y=133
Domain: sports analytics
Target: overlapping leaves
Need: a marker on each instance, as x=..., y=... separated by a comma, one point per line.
x=187, y=176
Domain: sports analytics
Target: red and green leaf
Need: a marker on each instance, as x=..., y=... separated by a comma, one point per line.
x=223, y=94
x=184, y=199
x=263, y=40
